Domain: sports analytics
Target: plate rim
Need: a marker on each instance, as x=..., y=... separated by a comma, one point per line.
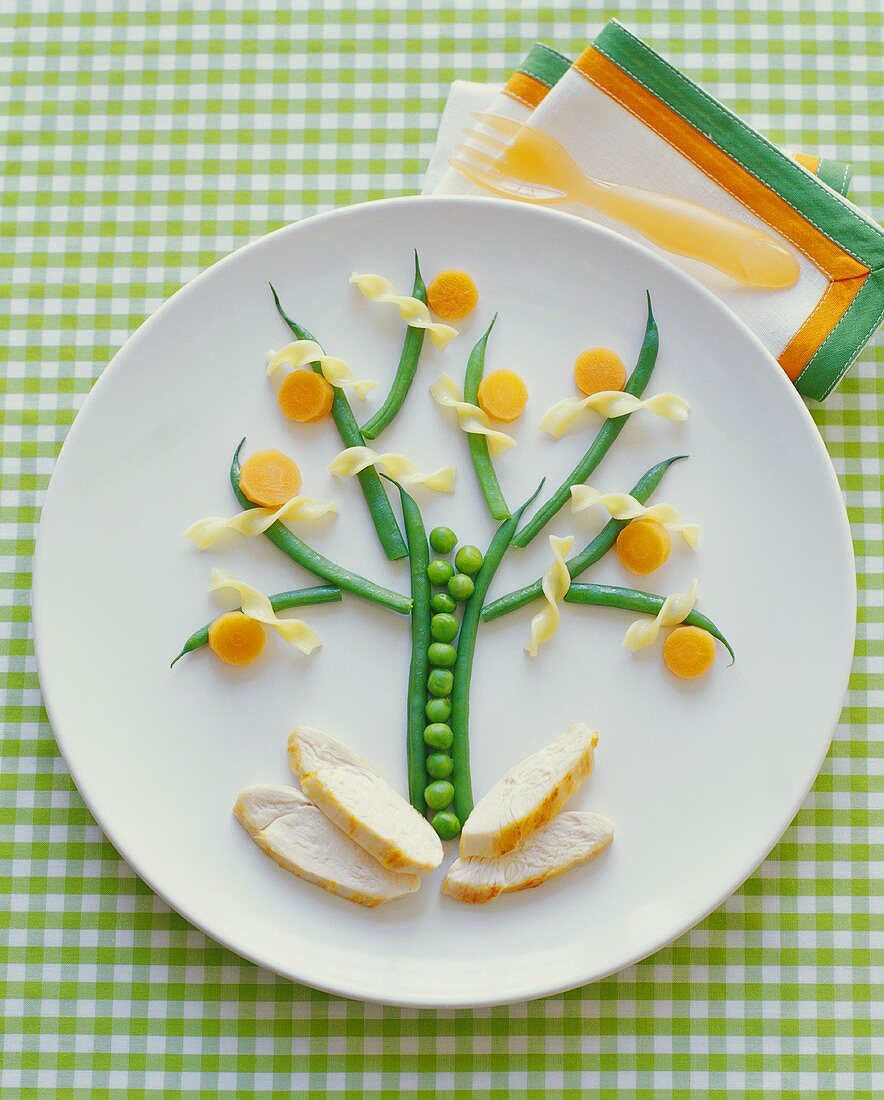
x=532, y=989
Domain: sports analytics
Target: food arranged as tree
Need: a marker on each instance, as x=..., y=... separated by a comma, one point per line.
x=385, y=845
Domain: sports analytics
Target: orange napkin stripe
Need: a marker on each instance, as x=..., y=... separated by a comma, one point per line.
x=525, y=89
x=812, y=164
x=828, y=311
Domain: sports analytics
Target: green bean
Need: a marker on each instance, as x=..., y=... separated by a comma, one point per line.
x=466, y=648
x=379, y=506
x=419, y=669
x=282, y=601
x=481, y=456
x=310, y=559
x=599, y=546
x=599, y=447
x=629, y=599
x=405, y=372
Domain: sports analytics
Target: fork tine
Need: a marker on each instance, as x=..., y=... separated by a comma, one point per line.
x=477, y=155
x=477, y=176
x=472, y=134
x=500, y=123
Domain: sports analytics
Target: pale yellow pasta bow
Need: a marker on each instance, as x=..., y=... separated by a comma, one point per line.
x=255, y=521
x=562, y=416
x=397, y=466
x=675, y=610
x=556, y=582
x=256, y=606
x=413, y=311
x=300, y=353
x=471, y=418
x=624, y=506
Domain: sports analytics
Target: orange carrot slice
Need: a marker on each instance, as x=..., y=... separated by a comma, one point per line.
x=643, y=545
x=305, y=396
x=598, y=369
x=269, y=478
x=503, y=395
x=452, y=295
x=236, y=639
x=689, y=652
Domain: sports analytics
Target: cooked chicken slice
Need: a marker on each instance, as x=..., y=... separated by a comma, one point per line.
x=360, y=801
x=567, y=841
x=298, y=835
x=529, y=794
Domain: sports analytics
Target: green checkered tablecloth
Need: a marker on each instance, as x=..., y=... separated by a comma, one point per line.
x=144, y=140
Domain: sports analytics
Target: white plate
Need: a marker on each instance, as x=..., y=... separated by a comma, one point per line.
x=701, y=779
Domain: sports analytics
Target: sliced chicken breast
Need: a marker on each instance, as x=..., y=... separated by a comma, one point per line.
x=567, y=841
x=362, y=803
x=529, y=794
x=297, y=834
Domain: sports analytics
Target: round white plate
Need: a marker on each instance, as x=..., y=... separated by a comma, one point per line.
x=700, y=779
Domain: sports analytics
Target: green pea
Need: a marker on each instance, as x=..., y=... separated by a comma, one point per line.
x=438, y=735
x=440, y=682
x=460, y=587
x=468, y=560
x=442, y=655
x=442, y=603
x=440, y=571
x=443, y=540
x=439, y=765
x=444, y=627
x=438, y=710
x=439, y=794
x=446, y=824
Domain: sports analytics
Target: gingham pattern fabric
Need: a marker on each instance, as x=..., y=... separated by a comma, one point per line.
x=144, y=140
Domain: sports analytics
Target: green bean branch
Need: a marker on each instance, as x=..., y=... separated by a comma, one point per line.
x=636, y=384
x=466, y=649
x=478, y=444
x=646, y=603
x=407, y=368
x=280, y=601
x=600, y=545
x=379, y=506
x=314, y=562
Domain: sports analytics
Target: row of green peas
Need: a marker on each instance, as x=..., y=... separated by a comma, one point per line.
x=456, y=586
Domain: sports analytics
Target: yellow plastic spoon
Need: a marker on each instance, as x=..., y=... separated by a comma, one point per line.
x=533, y=167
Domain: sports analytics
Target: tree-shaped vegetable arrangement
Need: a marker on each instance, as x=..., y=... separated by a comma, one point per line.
x=449, y=584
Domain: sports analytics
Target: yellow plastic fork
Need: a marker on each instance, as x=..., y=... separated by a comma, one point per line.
x=533, y=167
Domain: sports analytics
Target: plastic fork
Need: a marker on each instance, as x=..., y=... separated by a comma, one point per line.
x=533, y=167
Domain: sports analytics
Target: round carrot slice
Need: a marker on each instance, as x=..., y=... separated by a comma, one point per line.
x=305, y=396
x=236, y=639
x=643, y=545
x=598, y=369
x=269, y=478
x=503, y=395
x=689, y=652
x=452, y=295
